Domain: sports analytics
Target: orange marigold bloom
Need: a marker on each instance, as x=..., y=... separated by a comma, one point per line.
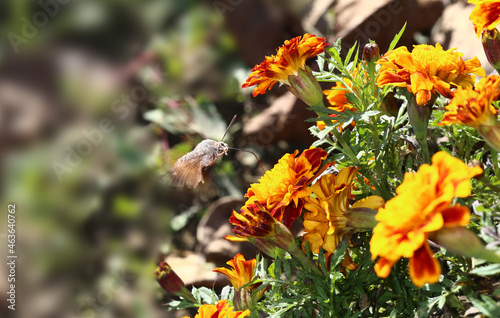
x=421, y=207
x=239, y=276
x=486, y=15
x=282, y=189
x=242, y=272
x=337, y=97
x=288, y=60
x=427, y=70
x=472, y=107
x=331, y=217
x=220, y=310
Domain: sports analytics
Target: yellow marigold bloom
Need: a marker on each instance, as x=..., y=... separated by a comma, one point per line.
x=427, y=70
x=331, y=216
x=242, y=272
x=288, y=60
x=486, y=15
x=282, y=189
x=421, y=207
x=472, y=107
x=220, y=310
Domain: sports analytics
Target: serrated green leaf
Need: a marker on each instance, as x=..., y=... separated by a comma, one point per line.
x=339, y=253
x=486, y=306
x=396, y=38
x=349, y=54
x=288, y=270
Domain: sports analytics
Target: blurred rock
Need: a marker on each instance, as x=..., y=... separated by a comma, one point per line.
x=259, y=26
x=455, y=30
x=380, y=20
x=28, y=107
x=192, y=268
x=282, y=120
x=214, y=226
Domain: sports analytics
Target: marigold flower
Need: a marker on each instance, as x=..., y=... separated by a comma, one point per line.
x=427, y=70
x=486, y=15
x=256, y=221
x=242, y=272
x=220, y=310
x=421, y=207
x=473, y=107
x=282, y=189
x=239, y=276
x=288, y=67
x=491, y=46
x=255, y=224
x=337, y=97
x=330, y=215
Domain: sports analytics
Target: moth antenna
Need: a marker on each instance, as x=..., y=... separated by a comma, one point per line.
x=227, y=129
x=253, y=153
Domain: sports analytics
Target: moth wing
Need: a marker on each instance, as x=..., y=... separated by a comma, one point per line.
x=188, y=169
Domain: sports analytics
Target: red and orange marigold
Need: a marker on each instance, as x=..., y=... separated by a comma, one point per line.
x=473, y=107
x=486, y=15
x=283, y=188
x=288, y=60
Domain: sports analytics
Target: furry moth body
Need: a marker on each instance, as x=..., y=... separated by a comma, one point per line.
x=188, y=169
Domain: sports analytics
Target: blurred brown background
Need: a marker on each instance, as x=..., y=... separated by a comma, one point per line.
x=98, y=99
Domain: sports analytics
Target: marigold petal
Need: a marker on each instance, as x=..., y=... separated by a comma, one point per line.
x=486, y=15
x=457, y=215
x=383, y=267
x=373, y=202
x=434, y=223
x=424, y=267
x=473, y=107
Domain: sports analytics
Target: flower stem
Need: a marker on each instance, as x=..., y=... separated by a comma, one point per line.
x=376, y=148
x=306, y=262
x=419, y=119
x=346, y=149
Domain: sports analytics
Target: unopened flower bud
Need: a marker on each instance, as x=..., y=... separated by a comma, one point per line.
x=361, y=219
x=491, y=133
x=371, y=52
x=172, y=283
x=462, y=241
x=491, y=46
